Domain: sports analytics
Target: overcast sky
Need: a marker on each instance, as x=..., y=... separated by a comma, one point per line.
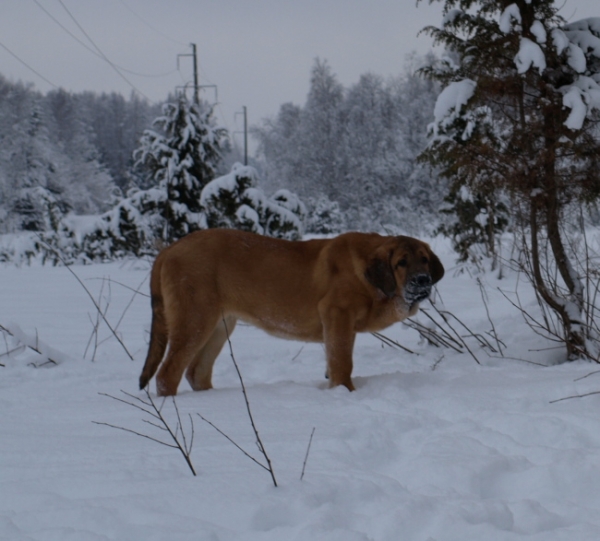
x=258, y=52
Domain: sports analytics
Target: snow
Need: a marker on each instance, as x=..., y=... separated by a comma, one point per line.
x=451, y=100
x=591, y=90
x=573, y=100
x=538, y=30
x=576, y=58
x=510, y=15
x=586, y=34
x=227, y=183
x=430, y=447
x=559, y=40
x=450, y=17
x=530, y=55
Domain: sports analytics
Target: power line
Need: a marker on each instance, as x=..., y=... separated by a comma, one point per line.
x=104, y=57
x=83, y=44
x=150, y=26
x=27, y=65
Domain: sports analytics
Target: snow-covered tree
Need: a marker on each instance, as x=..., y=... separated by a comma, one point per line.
x=475, y=223
x=519, y=113
x=33, y=168
x=357, y=146
x=325, y=216
x=235, y=201
x=180, y=158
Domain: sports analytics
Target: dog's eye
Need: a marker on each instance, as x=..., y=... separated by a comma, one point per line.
x=424, y=260
x=402, y=263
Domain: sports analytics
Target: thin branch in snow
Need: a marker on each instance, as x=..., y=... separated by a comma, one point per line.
x=23, y=344
x=96, y=324
x=259, y=443
x=574, y=396
x=443, y=315
x=494, y=334
x=136, y=291
x=587, y=375
x=150, y=408
x=68, y=267
x=297, y=354
x=233, y=442
x=307, y=452
x=389, y=342
x=432, y=335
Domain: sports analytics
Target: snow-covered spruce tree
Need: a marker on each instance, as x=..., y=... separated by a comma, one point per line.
x=180, y=158
x=234, y=201
x=177, y=160
x=519, y=113
x=475, y=221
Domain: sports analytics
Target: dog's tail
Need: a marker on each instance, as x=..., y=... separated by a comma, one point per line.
x=159, y=336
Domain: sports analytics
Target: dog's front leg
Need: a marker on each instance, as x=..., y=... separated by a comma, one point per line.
x=339, y=335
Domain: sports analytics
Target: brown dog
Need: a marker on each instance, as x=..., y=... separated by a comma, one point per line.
x=323, y=290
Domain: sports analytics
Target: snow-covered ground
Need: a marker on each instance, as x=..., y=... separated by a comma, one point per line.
x=431, y=446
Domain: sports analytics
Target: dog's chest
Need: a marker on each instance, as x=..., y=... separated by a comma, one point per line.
x=383, y=313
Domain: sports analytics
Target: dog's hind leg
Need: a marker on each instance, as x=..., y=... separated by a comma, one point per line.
x=185, y=340
x=199, y=372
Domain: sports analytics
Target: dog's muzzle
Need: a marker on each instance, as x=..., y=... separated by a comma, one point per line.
x=418, y=288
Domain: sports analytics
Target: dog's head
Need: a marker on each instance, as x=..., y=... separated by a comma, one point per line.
x=404, y=267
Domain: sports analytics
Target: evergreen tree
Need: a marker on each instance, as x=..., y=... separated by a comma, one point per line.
x=180, y=158
x=519, y=113
x=234, y=201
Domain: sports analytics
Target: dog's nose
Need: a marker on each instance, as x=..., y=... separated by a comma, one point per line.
x=422, y=280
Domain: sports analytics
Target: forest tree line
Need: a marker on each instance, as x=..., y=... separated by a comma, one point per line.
x=78, y=146
x=358, y=147
x=350, y=153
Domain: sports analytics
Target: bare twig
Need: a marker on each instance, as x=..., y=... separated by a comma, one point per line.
x=35, y=347
x=437, y=362
x=494, y=334
x=68, y=267
x=307, y=452
x=458, y=336
x=135, y=291
x=151, y=409
x=259, y=442
x=297, y=354
x=96, y=325
x=18, y=349
x=587, y=375
x=574, y=396
x=432, y=335
x=233, y=442
x=389, y=342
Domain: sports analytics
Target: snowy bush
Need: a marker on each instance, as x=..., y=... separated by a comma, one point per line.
x=131, y=227
x=234, y=201
x=325, y=216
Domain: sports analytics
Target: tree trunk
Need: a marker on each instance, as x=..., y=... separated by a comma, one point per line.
x=569, y=310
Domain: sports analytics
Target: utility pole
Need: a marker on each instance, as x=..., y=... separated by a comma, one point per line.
x=195, y=60
x=196, y=87
x=245, y=132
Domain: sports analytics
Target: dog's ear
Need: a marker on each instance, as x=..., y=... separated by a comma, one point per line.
x=380, y=275
x=436, y=269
